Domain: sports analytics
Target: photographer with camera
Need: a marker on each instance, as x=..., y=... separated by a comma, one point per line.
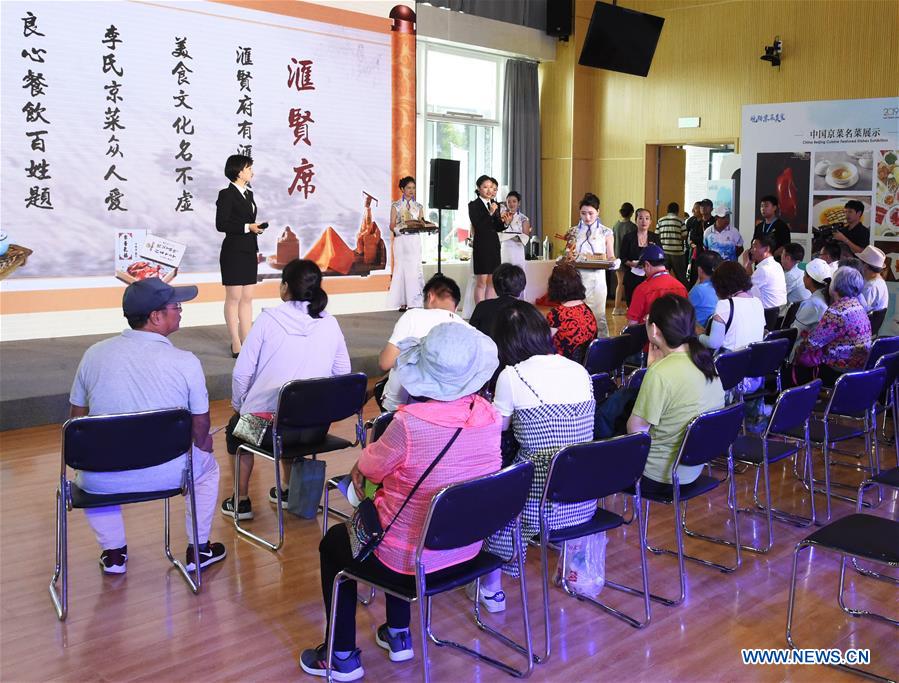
x=853, y=235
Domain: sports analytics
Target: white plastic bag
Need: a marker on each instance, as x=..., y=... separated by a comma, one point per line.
x=585, y=570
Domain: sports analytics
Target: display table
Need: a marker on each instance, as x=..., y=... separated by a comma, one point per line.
x=536, y=272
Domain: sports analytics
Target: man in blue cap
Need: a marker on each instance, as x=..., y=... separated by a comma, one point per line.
x=658, y=282
x=142, y=370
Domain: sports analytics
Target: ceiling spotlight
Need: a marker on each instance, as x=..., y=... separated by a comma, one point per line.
x=773, y=52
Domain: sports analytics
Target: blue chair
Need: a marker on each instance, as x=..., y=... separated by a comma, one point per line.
x=791, y=334
x=707, y=435
x=94, y=444
x=887, y=404
x=732, y=369
x=854, y=396
x=792, y=411
x=881, y=347
x=306, y=409
x=635, y=379
x=889, y=478
x=766, y=359
x=457, y=518
x=607, y=354
x=592, y=471
x=857, y=536
x=876, y=319
x=639, y=338
x=603, y=386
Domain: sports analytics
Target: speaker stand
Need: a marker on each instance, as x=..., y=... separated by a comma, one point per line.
x=439, y=240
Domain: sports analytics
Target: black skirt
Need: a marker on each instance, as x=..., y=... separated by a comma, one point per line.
x=485, y=252
x=238, y=267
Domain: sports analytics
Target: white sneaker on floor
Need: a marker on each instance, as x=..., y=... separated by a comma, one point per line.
x=492, y=602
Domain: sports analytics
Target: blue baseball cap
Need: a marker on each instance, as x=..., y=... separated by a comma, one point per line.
x=145, y=296
x=652, y=253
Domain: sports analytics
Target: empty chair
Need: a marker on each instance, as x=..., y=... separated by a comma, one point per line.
x=792, y=410
x=307, y=407
x=788, y=333
x=889, y=478
x=790, y=315
x=766, y=360
x=732, y=369
x=857, y=536
x=457, y=518
x=607, y=355
x=93, y=444
x=708, y=436
x=585, y=472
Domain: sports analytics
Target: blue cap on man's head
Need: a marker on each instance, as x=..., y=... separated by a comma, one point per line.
x=145, y=296
x=652, y=253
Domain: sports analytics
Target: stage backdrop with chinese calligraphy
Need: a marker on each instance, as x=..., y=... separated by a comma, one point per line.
x=119, y=116
x=816, y=156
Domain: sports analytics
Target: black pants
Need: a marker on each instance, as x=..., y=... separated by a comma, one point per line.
x=335, y=555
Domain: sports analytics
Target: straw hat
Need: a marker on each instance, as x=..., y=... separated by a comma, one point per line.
x=873, y=256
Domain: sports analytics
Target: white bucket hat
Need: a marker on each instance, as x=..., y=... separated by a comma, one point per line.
x=873, y=256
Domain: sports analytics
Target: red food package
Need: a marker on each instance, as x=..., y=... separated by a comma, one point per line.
x=786, y=194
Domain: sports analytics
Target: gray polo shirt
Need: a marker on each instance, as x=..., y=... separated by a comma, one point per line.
x=133, y=372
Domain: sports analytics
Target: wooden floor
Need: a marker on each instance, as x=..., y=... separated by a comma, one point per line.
x=259, y=609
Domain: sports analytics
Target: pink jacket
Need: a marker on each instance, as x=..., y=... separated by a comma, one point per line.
x=410, y=443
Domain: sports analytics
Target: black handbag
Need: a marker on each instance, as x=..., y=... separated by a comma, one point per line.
x=364, y=527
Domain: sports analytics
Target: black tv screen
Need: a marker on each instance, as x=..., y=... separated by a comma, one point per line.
x=620, y=39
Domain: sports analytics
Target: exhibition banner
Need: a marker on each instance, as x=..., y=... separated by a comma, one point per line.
x=816, y=156
x=117, y=119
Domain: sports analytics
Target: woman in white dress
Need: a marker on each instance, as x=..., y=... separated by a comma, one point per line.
x=591, y=238
x=406, y=281
x=517, y=232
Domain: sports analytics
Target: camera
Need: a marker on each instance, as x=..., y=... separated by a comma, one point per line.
x=825, y=233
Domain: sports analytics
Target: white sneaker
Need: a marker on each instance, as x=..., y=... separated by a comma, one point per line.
x=492, y=602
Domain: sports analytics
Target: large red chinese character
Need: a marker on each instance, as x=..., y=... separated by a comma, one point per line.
x=302, y=179
x=299, y=74
x=299, y=120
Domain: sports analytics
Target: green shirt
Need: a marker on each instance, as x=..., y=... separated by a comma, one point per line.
x=674, y=391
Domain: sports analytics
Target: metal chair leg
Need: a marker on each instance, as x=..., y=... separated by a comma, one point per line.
x=855, y=565
x=61, y=569
x=194, y=583
x=274, y=547
x=858, y=612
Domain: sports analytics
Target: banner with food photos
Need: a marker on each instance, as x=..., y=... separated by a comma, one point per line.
x=816, y=156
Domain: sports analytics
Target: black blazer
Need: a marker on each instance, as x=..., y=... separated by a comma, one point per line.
x=482, y=221
x=232, y=212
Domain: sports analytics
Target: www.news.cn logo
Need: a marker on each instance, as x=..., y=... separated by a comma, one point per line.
x=813, y=656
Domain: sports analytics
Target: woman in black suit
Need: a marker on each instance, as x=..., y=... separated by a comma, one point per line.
x=235, y=215
x=483, y=212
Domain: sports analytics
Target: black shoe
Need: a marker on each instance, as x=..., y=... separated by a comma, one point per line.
x=112, y=560
x=210, y=553
x=234, y=354
x=244, y=508
x=272, y=497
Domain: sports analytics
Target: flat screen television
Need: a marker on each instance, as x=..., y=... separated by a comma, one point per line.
x=621, y=39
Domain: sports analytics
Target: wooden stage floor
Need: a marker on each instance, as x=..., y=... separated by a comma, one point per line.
x=259, y=609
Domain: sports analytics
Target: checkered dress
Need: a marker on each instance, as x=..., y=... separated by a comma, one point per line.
x=541, y=431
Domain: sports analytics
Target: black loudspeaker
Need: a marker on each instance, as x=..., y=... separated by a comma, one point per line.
x=444, y=191
x=558, y=18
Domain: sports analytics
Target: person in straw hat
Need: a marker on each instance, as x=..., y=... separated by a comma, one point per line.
x=875, y=296
x=443, y=373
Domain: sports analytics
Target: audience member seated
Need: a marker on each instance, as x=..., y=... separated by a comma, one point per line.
x=137, y=371
x=875, y=296
x=658, y=282
x=572, y=322
x=703, y=296
x=509, y=282
x=842, y=339
x=680, y=383
x=296, y=340
x=548, y=400
x=790, y=258
x=817, y=282
x=830, y=253
x=444, y=370
x=441, y=298
x=739, y=318
x=768, y=281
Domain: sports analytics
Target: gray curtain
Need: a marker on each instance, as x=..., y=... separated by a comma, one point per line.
x=530, y=13
x=521, y=138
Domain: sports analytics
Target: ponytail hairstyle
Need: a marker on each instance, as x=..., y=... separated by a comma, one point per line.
x=589, y=199
x=304, y=283
x=676, y=319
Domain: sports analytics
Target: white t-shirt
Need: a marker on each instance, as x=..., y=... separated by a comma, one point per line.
x=748, y=324
x=769, y=283
x=554, y=378
x=416, y=322
x=875, y=296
